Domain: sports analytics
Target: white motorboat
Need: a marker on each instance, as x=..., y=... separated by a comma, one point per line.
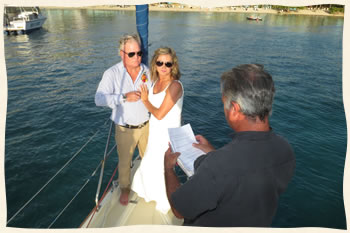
x=22, y=19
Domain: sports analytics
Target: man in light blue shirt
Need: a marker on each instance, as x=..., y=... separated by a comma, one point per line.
x=119, y=90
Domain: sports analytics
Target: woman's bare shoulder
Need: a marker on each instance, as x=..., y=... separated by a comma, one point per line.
x=175, y=85
x=175, y=89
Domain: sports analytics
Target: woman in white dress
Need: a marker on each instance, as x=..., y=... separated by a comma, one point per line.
x=164, y=102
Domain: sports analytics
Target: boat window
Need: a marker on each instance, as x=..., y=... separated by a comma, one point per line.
x=28, y=8
x=13, y=10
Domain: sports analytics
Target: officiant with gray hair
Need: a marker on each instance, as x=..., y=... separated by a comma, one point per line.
x=239, y=184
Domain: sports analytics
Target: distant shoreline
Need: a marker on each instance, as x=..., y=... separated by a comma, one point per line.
x=175, y=8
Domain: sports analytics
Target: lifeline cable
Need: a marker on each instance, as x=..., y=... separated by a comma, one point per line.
x=53, y=176
x=86, y=182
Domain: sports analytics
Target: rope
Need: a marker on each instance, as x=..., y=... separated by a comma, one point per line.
x=75, y=155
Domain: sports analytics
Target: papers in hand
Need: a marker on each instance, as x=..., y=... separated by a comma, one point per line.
x=181, y=140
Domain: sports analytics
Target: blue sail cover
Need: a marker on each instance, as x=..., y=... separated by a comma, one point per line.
x=142, y=29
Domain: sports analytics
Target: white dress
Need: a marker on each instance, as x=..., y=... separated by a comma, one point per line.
x=149, y=181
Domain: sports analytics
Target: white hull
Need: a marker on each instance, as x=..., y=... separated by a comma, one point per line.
x=20, y=19
x=23, y=25
x=137, y=212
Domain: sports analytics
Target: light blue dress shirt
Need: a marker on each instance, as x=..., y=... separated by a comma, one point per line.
x=115, y=82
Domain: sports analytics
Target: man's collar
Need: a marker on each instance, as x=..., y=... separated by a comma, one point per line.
x=250, y=133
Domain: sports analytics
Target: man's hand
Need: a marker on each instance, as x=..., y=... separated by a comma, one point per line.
x=133, y=96
x=170, y=159
x=203, y=144
x=171, y=181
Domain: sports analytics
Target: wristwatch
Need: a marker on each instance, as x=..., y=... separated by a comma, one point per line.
x=124, y=98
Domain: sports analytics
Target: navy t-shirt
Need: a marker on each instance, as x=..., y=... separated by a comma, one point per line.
x=239, y=184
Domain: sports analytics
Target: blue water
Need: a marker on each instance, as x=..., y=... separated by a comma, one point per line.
x=53, y=74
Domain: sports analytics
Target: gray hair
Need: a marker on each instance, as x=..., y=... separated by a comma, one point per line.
x=128, y=37
x=251, y=87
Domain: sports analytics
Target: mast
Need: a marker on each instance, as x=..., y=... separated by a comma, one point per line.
x=142, y=29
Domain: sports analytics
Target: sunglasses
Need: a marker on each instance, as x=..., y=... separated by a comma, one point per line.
x=131, y=54
x=167, y=64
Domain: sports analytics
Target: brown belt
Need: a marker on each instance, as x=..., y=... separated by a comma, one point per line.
x=135, y=126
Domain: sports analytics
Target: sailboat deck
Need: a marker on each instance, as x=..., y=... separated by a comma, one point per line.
x=137, y=212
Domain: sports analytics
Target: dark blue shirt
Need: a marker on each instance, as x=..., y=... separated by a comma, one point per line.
x=239, y=184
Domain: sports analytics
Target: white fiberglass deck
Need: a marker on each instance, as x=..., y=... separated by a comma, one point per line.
x=137, y=212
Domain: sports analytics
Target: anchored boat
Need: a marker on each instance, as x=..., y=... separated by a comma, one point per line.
x=256, y=18
x=22, y=19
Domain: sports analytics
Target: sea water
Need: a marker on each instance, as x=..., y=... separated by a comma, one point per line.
x=53, y=74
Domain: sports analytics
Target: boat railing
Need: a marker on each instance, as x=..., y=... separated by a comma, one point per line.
x=98, y=201
x=101, y=164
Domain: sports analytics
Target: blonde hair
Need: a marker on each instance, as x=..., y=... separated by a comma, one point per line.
x=175, y=70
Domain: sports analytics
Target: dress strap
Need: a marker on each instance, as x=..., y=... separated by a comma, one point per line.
x=171, y=83
x=164, y=90
x=167, y=86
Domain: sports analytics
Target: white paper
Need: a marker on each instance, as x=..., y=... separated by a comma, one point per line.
x=181, y=140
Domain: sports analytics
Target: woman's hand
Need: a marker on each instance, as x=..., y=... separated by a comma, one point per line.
x=144, y=92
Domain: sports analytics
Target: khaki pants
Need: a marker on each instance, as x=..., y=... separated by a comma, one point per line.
x=127, y=140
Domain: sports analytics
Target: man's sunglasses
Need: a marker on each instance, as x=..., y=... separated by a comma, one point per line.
x=139, y=53
x=167, y=64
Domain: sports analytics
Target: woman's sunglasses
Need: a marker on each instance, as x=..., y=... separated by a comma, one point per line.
x=167, y=64
x=139, y=53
